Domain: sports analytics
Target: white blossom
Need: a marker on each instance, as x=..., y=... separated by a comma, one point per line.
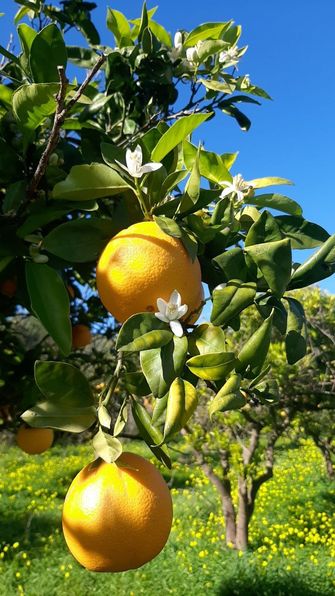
x=192, y=54
x=175, y=52
x=134, y=165
x=238, y=186
x=171, y=311
x=229, y=57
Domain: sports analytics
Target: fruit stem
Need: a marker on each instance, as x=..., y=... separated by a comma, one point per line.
x=113, y=381
x=141, y=199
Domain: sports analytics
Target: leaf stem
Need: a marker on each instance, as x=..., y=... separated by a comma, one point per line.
x=141, y=199
x=114, y=381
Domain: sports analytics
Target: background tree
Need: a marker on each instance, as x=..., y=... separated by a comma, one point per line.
x=76, y=169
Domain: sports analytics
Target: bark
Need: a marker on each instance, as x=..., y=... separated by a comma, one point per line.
x=224, y=489
x=326, y=449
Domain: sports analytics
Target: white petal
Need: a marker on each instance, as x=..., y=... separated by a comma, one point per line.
x=150, y=167
x=176, y=328
x=175, y=298
x=182, y=310
x=161, y=305
x=161, y=317
x=178, y=39
x=138, y=153
x=122, y=165
x=226, y=191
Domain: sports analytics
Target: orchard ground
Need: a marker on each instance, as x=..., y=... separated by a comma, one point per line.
x=292, y=533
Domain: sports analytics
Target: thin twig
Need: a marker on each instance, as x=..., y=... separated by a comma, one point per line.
x=60, y=115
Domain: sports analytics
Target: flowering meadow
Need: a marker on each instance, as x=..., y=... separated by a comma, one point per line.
x=292, y=533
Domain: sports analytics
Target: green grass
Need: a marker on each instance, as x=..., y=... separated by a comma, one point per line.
x=292, y=534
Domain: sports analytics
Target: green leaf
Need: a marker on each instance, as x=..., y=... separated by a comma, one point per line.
x=119, y=26
x=275, y=201
x=228, y=398
x=32, y=104
x=143, y=331
x=122, y=418
x=136, y=383
x=176, y=134
x=169, y=226
x=162, y=35
x=15, y=195
x=107, y=447
x=151, y=435
x=206, y=31
x=27, y=35
x=241, y=119
x=232, y=264
x=47, y=51
x=11, y=57
x=268, y=181
x=172, y=180
x=229, y=301
x=265, y=304
x=159, y=409
x=162, y=365
x=274, y=259
x=206, y=339
x=254, y=351
x=264, y=229
x=69, y=404
x=211, y=165
x=319, y=266
x=210, y=47
x=295, y=340
x=86, y=182
x=104, y=417
x=80, y=240
x=50, y=303
x=6, y=95
x=212, y=367
x=181, y=404
x=302, y=233
x=219, y=86
x=41, y=214
x=60, y=417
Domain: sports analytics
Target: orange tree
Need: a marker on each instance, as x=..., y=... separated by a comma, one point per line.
x=82, y=163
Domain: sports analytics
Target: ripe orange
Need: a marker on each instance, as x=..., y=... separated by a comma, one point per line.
x=8, y=288
x=81, y=336
x=141, y=264
x=117, y=516
x=34, y=440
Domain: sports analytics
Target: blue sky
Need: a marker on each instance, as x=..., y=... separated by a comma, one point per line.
x=291, y=55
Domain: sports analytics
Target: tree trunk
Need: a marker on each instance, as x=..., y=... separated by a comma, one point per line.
x=325, y=447
x=224, y=489
x=243, y=516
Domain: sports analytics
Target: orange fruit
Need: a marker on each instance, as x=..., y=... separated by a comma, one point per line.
x=8, y=288
x=81, y=336
x=34, y=440
x=142, y=263
x=117, y=516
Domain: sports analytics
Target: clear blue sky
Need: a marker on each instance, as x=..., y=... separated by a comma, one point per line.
x=291, y=54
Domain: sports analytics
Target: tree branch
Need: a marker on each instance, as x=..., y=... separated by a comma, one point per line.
x=60, y=115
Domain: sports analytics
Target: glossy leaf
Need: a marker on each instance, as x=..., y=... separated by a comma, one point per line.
x=274, y=259
x=122, y=418
x=276, y=201
x=268, y=181
x=33, y=103
x=229, y=301
x=119, y=26
x=86, y=182
x=162, y=365
x=80, y=240
x=47, y=51
x=232, y=264
x=104, y=417
x=15, y=195
x=159, y=408
x=254, y=351
x=212, y=367
x=107, y=447
x=176, y=134
x=206, y=31
x=60, y=417
x=136, y=383
x=169, y=226
x=142, y=331
x=50, y=303
x=228, y=398
x=206, y=339
x=151, y=435
x=181, y=404
x=302, y=233
x=295, y=340
x=319, y=266
x=264, y=229
x=211, y=165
